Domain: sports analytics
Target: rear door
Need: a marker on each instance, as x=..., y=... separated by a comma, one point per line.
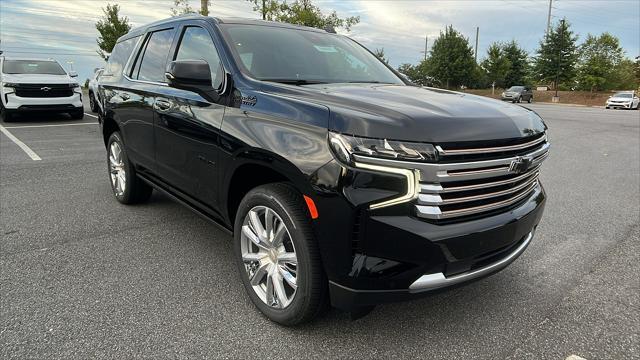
x=187, y=125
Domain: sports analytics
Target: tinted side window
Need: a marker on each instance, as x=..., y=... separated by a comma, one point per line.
x=196, y=44
x=154, y=60
x=119, y=57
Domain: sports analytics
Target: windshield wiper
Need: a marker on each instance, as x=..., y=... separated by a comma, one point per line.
x=295, y=81
x=369, y=82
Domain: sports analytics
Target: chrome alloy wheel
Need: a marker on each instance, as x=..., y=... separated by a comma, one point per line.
x=269, y=257
x=116, y=169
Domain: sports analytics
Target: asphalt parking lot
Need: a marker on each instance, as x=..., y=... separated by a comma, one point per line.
x=82, y=276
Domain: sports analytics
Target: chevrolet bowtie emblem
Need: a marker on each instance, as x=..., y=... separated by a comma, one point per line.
x=45, y=88
x=520, y=165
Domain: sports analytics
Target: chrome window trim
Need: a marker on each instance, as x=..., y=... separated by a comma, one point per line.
x=145, y=81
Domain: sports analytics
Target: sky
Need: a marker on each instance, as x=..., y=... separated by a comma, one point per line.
x=65, y=29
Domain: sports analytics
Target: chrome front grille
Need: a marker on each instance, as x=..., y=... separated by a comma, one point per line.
x=467, y=180
x=456, y=189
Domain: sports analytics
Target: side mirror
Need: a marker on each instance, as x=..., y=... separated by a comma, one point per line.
x=73, y=74
x=191, y=75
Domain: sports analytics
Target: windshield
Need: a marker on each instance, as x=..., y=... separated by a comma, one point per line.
x=622, y=95
x=303, y=57
x=32, y=67
x=516, y=88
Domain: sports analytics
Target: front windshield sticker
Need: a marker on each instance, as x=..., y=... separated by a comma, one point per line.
x=327, y=49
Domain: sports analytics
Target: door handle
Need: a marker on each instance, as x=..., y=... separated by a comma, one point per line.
x=162, y=105
x=124, y=96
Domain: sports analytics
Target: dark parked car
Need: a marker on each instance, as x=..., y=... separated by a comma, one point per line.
x=518, y=94
x=339, y=180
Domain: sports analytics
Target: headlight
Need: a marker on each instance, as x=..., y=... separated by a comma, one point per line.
x=345, y=146
x=9, y=85
x=503, y=94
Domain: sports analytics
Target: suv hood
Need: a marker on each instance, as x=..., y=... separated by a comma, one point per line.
x=412, y=113
x=620, y=99
x=37, y=79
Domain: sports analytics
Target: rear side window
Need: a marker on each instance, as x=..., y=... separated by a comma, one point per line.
x=154, y=60
x=196, y=44
x=120, y=56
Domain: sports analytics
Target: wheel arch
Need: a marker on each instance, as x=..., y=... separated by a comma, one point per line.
x=254, y=169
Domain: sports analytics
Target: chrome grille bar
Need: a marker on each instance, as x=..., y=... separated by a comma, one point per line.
x=430, y=199
x=494, y=149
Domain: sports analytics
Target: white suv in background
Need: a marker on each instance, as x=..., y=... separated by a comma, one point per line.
x=28, y=85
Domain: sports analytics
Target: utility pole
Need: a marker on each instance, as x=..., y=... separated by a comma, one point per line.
x=264, y=10
x=426, y=45
x=204, y=7
x=477, y=35
x=549, y=19
x=556, y=98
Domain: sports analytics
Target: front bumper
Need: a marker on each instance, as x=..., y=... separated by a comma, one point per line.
x=16, y=103
x=619, y=105
x=403, y=257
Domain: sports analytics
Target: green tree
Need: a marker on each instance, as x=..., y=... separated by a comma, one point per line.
x=600, y=57
x=380, y=54
x=110, y=26
x=624, y=76
x=418, y=74
x=518, y=64
x=496, y=65
x=451, y=59
x=302, y=12
x=557, y=55
x=182, y=7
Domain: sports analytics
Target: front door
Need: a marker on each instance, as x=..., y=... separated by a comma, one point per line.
x=187, y=125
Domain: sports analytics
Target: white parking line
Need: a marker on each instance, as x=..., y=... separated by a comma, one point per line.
x=50, y=125
x=22, y=145
x=91, y=115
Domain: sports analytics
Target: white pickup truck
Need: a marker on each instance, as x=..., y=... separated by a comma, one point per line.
x=30, y=85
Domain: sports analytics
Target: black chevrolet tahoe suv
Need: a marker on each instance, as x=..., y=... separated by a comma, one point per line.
x=340, y=181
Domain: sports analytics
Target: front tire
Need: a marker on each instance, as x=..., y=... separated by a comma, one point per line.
x=126, y=186
x=93, y=103
x=277, y=255
x=530, y=99
x=5, y=115
x=77, y=114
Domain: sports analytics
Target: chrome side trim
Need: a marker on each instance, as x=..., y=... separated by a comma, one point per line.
x=485, y=150
x=439, y=280
x=413, y=183
x=434, y=212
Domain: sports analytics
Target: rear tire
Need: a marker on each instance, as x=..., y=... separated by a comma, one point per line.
x=530, y=100
x=126, y=186
x=268, y=274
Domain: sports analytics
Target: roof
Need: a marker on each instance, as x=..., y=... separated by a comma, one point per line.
x=230, y=20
